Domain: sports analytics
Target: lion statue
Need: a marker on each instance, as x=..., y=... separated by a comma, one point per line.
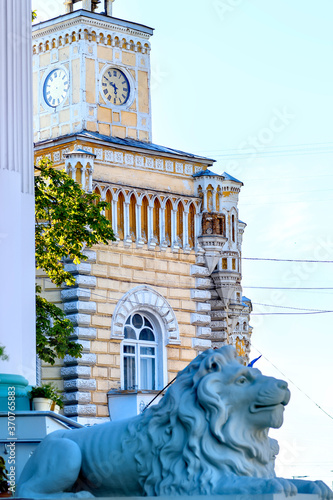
x=208, y=435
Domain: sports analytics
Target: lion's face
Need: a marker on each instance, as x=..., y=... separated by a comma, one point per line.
x=251, y=399
x=255, y=397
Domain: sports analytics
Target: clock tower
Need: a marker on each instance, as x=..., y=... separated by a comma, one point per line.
x=170, y=285
x=92, y=73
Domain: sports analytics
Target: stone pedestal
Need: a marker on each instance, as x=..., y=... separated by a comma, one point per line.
x=271, y=496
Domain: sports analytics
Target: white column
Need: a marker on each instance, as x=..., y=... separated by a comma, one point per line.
x=127, y=235
x=150, y=224
x=205, y=205
x=114, y=216
x=138, y=222
x=174, y=228
x=86, y=5
x=162, y=226
x=185, y=230
x=90, y=179
x=109, y=7
x=214, y=200
x=83, y=175
x=17, y=250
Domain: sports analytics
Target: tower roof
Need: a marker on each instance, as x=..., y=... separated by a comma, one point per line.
x=230, y=178
x=207, y=173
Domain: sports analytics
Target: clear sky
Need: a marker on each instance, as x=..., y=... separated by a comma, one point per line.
x=249, y=83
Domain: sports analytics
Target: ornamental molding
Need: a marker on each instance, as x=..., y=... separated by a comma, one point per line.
x=144, y=298
x=110, y=28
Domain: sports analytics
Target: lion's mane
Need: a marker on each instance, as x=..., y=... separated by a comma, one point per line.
x=189, y=440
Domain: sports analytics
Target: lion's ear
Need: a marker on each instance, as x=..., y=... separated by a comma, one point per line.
x=213, y=363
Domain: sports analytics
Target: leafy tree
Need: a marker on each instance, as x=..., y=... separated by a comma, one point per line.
x=3, y=355
x=67, y=220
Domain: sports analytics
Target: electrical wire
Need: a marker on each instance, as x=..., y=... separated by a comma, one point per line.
x=287, y=288
x=281, y=314
x=289, y=307
x=289, y=260
x=297, y=387
x=309, y=145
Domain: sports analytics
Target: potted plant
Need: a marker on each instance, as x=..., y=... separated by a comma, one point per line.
x=57, y=403
x=4, y=484
x=42, y=397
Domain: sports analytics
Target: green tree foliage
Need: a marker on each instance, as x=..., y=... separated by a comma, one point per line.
x=3, y=355
x=67, y=220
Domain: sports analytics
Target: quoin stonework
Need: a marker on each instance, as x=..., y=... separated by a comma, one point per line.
x=170, y=285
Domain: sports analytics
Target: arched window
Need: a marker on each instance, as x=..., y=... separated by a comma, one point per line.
x=120, y=210
x=191, y=222
x=244, y=326
x=132, y=217
x=156, y=219
x=108, y=211
x=168, y=212
x=144, y=219
x=140, y=353
x=180, y=225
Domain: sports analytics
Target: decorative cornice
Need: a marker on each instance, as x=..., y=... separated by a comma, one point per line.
x=85, y=21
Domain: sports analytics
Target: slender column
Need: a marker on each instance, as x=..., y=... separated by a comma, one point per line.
x=73, y=172
x=114, y=216
x=162, y=225
x=86, y=5
x=68, y=6
x=174, y=228
x=126, y=221
x=83, y=177
x=17, y=259
x=214, y=200
x=150, y=223
x=109, y=7
x=205, y=207
x=138, y=222
x=220, y=201
x=90, y=179
x=185, y=230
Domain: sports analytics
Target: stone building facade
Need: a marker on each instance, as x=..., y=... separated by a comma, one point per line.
x=170, y=285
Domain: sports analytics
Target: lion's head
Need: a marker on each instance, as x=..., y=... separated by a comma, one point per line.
x=212, y=422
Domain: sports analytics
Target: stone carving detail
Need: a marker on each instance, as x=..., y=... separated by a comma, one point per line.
x=159, y=164
x=207, y=436
x=188, y=169
x=179, y=168
x=149, y=299
x=99, y=153
x=108, y=155
x=169, y=166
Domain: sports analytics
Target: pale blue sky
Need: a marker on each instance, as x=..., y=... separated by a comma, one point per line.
x=250, y=84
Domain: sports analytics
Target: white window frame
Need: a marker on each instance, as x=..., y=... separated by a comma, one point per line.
x=137, y=344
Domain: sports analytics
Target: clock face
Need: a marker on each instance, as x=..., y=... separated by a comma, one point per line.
x=115, y=86
x=56, y=87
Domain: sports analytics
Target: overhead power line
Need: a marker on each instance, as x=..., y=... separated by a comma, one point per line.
x=289, y=307
x=288, y=288
x=285, y=313
x=273, y=147
x=297, y=387
x=289, y=260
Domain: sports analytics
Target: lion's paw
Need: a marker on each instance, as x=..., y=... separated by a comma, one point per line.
x=321, y=489
x=281, y=485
